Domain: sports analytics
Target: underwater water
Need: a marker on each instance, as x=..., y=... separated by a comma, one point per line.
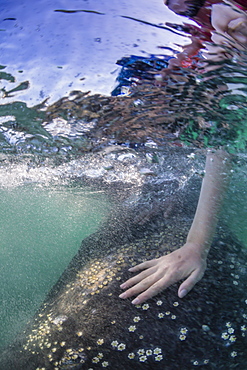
x=90, y=120
x=41, y=230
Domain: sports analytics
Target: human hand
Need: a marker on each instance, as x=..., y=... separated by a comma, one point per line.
x=158, y=274
x=230, y=32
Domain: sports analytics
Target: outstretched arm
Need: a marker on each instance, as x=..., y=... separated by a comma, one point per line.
x=189, y=261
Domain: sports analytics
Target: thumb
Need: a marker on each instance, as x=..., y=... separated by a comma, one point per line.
x=189, y=283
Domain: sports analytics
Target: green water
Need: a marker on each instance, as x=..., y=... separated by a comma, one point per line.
x=235, y=209
x=41, y=230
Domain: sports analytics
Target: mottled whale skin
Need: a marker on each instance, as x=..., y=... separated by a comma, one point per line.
x=83, y=324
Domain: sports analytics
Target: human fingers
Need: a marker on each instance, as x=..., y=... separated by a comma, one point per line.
x=158, y=286
x=141, y=286
x=136, y=279
x=190, y=282
x=143, y=265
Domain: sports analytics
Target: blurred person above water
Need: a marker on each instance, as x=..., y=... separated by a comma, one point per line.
x=223, y=26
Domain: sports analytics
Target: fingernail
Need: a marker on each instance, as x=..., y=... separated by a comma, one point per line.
x=183, y=293
x=135, y=301
x=122, y=286
x=123, y=295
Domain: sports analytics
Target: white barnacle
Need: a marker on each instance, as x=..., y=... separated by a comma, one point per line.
x=228, y=324
x=160, y=315
x=121, y=347
x=132, y=328
x=100, y=341
x=159, y=303
x=143, y=358
x=206, y=361
x=136, y=319
x=131, y=356
x=100, y=355
x=168, y=313
x=195, y=363
x=183, y=330
x=158, y=358
x=95, y=360
x=175, y=304
x=140, y=352
x=149, y=352
x=182, y=337
x=243, y=328
x=173, y=317
x=114, y=343
x=145, y=306
x=234, y=354
x=157, y=351
x=230, y=330
x=232, y=338
x=105, y=363
x=225, y=336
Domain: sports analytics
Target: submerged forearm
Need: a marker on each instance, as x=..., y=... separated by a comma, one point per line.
x=214, y=185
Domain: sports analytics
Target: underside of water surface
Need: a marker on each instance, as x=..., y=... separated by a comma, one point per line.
x=102, y=154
